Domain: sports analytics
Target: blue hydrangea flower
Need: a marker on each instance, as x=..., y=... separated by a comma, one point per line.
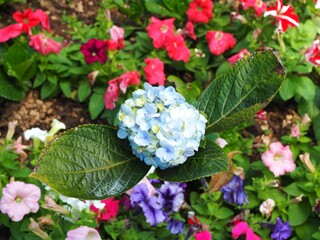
x=150, y=205
x=233, y=192
x=162, y=128
x=175, y=226
x=281, y=230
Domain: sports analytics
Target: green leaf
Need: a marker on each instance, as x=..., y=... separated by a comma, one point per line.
x=289, y=87
x=84, y=90
x=90, y=162
x=299, y=213
x=40, y=79
x=237, y=95
x=316, y=127
x=306, y=88
x=66, y=87
x=47, y=90
x=205, y=162
x=96, y=105
x=8, y=90
x=293, y=189
x=308, y=229
x=155, y=6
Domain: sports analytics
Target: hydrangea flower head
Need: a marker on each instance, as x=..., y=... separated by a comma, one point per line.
x=162, y=128
x=279, y=159
x=19, y=199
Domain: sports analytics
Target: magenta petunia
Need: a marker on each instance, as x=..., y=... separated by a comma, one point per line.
x=219, y=41
x=204, y=235
x=154, y=71
x=242, y=228
x=19, y=199
x=94, y=51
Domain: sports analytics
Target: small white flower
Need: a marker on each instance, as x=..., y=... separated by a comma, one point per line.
x=56, y=126
x=35, y=133
x=267, y=206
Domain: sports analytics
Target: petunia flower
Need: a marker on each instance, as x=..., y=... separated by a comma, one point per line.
x=158, y=30
x=28, y=19
x=175, y=226
x=94, y=51
x=171, y=197
x=200, y=11
x=258, y=5
x=43, y=18
x=177, y=48
x=204, y=235
x=117, y=36
x=111, y=95
x=243, y=52
x=242, y=228
x=284, y=15
x=36, y=229
x=219, y=41
x=19, y=199
x=189, y=31
x=267, y=207
x=281, y=230
x=154, y=71
x=44, y=44
x=128, y=79
x=109, y=211
x=313, y=54
x=279, y=159
x=317, y=6
x=295, y=131
x=233, y=192
x=221, y=142
x=35, y=134
x=83, y=233
x=11, y=31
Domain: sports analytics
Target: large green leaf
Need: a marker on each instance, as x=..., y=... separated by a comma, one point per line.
x=205, y=162
x=89, y=162
x=234, y=97
x=8, y=90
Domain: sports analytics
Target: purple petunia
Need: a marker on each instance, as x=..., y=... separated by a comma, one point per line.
x=171, y=196
x=94, y=51
x=281, y=230
x=150, y=205
x=233, y=192
x=175, y=226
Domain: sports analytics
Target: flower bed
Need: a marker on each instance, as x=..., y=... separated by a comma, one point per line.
x=180, y=86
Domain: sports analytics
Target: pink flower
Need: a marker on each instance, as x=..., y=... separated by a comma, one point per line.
x=284, y=15
x=200, y=11
x=19, y=199
x=204, y=235
x=10, y=31
x=154, y=71
x=94, y=51
x=158, y=30
x=295, y=131
x=261, y=115
x=28, y=20
x=111, y=95
x=44, y=44
x=177, y=48
x=279, y=159
x=128, y=79
x=221, y=142
x=258, y=5
x=43, y=18
x=219, y=41
x=243, y=52
x=242, y=228
x=313, y=54
x=117, y=36
x=83, y=233
x=189, y=31
x=109, y=211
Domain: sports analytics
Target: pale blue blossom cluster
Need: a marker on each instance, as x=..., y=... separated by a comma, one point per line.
x=163, y=129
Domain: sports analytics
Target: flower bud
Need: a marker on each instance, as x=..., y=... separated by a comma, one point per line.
x=11, y=129
x=51, y=204
x=35, y=228
x=267, y=207
x=305, y=158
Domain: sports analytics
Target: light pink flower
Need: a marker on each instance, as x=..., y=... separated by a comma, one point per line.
x=219, y=41
x=204, y=235
x=83, y=233
x=117, y=36
x=279, y=159
x=111, y=95
x=284, y=15
x=154, y=71
x=243, y=52
x=19, y=199
x=295, y=131
x=177, y=48
x=44, y=44
x=258, y=5
x=221, y=142
x=158, y=30
x=242, y=228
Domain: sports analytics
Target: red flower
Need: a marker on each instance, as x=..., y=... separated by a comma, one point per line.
x=43, y=18
x=94, y=50
x=189, y=31
x=44, y=45
x=177, y=48
x=117, y=38
x=258, y=5
x=154, y=71
x=313, y=54
x=284, y=15
x=127, y=79
x=109, y=211
x=11, y=31
x=111, y=95
x=158, y=30
x=219, y=41
x=28, y=19
x=200, y=11
x=243, y=52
